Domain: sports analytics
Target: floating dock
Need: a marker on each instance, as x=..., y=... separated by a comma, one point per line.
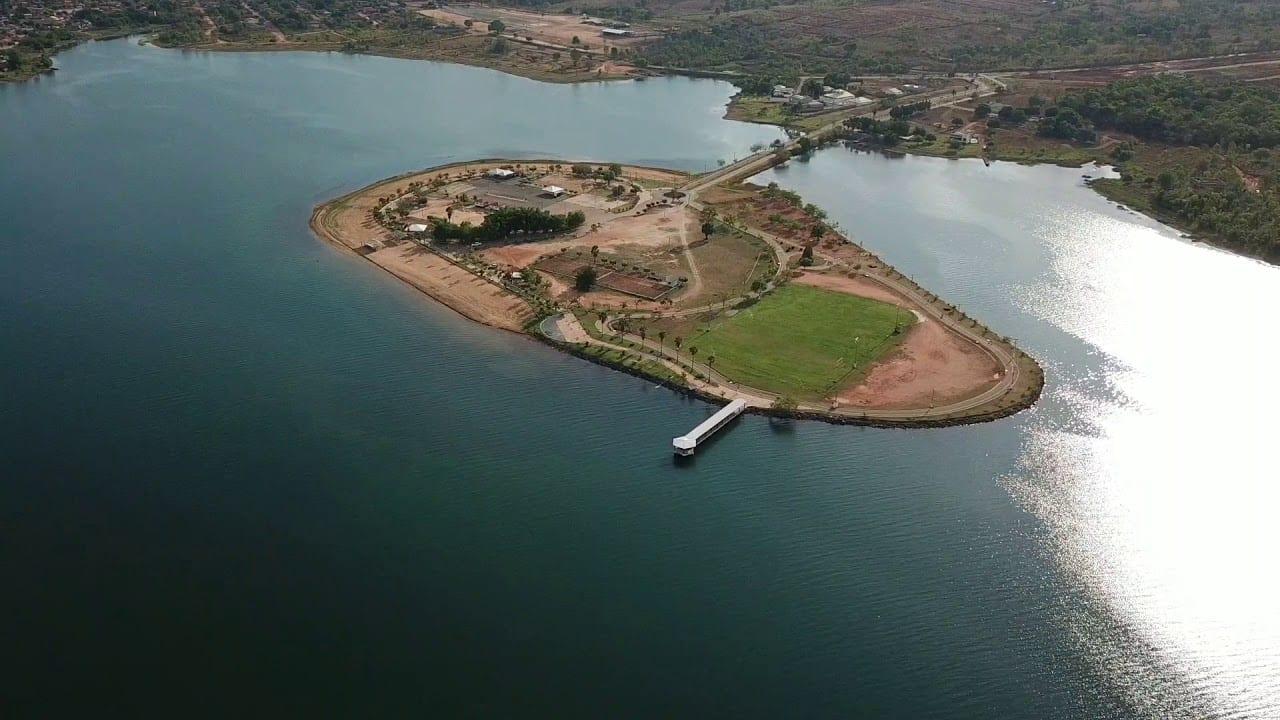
x=687, y=443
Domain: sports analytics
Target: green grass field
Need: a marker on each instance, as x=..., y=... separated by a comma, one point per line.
x=802, y=341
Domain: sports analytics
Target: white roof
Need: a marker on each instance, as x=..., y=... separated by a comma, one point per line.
x=553, y=189
x=693, y=436
x=417, y=227
x=502, y=172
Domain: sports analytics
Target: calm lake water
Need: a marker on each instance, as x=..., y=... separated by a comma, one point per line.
x=244, y=471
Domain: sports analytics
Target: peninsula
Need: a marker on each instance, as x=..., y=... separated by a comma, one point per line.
x=708, y=284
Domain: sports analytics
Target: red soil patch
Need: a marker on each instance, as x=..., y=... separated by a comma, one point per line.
x=932, y=366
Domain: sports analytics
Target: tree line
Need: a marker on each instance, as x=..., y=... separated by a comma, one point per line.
x=506, y=223
x=1184, y=111
x=1235, y=128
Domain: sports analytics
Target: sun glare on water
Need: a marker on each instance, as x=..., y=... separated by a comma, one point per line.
x=1162, y=496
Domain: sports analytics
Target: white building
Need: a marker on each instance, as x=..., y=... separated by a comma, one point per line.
x=553, y=190
x=615, y=32
x=838, y=98
x=417, y=228
x=501, y=173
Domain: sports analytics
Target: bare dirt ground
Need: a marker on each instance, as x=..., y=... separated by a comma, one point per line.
x=471, y=296
x=656, y=228
x=932, y=366
x=557, y=29
x=346, y=222
x=653, y=229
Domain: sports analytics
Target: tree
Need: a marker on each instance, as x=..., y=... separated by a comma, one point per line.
x=595, y=252
x=662, y=337
x=785, y=403
x=806, y=255
x=575, y=56
x=678, y=342
x=497, y=26
x=837, y=79
x=708, y=227
x=585, y=279
x=804, y=145
x=816, y=232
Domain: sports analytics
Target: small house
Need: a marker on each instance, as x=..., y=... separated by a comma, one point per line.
x=554, y=191
x=417, y=228
x=501, y=173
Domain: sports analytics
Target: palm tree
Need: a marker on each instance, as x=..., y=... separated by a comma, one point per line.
x=678, y=341
x=711, y=361
x=662, y=337
x=693, y=351
x=641, y=332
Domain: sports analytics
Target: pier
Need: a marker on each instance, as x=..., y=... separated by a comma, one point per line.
x=687, y=443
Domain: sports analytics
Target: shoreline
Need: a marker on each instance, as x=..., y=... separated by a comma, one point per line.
x=475, y=291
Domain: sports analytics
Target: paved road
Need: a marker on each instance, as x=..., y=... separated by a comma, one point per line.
x=566, y=328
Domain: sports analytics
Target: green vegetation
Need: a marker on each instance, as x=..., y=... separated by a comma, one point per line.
x=752, y=43
x=1087, y=32
x=636, y=362
x=758, y=110
x=585, y=279
x=1183, y=111
x=1225, y=184
x=803, y=341
x=817, y=37
x=506, y=223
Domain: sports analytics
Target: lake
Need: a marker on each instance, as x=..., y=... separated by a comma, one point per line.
x=246, y=472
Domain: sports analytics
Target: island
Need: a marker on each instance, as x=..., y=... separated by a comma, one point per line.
x=708, y=284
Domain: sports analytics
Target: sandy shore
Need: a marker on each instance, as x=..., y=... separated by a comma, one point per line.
x=454, y=286
x=346, y=222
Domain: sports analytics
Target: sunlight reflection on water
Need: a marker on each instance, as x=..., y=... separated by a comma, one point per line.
x=1145, y=458
x=1165, y=504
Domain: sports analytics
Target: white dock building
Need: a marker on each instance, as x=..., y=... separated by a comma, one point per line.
x=687, y=443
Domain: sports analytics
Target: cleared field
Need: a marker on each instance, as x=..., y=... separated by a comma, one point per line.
x=758, y=110
x=803, y=341
x=728, y=261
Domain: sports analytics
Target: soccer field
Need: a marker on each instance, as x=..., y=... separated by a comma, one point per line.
x=803, y=341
